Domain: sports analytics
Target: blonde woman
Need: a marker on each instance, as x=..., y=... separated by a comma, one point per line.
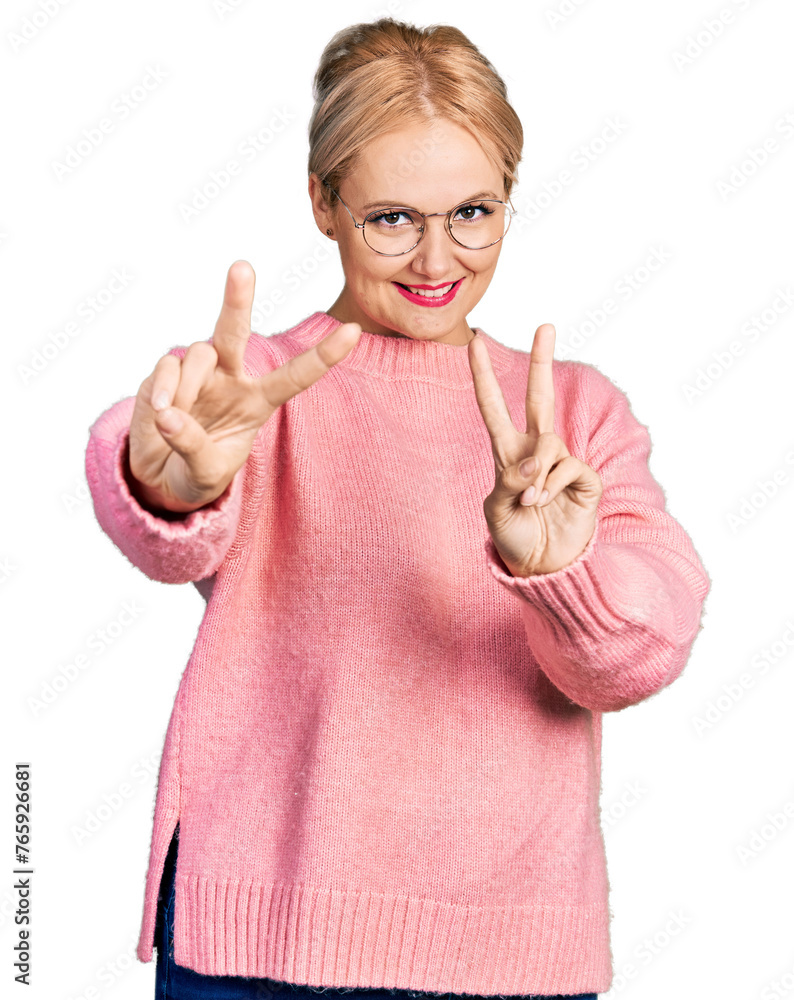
x=431, y=562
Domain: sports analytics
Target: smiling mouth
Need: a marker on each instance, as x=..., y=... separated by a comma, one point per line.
x=430, y=295
x=429, y=292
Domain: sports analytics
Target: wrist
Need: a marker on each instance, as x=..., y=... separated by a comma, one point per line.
x=511, y=568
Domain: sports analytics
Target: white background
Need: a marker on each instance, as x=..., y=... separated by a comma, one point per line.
x=682, y=804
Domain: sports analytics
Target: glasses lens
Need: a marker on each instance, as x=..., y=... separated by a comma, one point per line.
x=474, y=225
x=479, y=224
x=393, y=232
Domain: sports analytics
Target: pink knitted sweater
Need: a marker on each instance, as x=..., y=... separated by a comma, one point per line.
x=385, y=751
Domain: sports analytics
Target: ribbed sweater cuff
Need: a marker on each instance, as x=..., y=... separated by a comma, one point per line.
x=575, y=593
x=172, y=524
x=185, y=549
x=601, y=628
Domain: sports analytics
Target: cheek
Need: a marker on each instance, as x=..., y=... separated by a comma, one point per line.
x=487, y=265
x=361, y=268
x=368, y=274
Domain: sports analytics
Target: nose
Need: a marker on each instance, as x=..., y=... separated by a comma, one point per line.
x=434, y=257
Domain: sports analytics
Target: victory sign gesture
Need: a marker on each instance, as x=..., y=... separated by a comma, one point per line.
x=541, y=512
x=196, y=418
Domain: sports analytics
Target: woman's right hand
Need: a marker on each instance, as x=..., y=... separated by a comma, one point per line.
x=196, y=418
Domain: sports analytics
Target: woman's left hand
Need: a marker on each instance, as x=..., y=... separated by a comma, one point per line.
x=544, y=531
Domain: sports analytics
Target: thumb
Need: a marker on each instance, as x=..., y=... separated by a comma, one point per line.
x=171, y=424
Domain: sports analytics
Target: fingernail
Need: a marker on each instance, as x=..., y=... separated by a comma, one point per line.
x=160, y=400
x=528, y=496
x=526, y=466
x=170, y=421
x=544, y=496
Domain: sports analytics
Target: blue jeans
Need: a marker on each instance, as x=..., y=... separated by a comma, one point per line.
x=176, y=982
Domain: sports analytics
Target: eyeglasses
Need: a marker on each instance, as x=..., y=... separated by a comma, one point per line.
x=474, y=225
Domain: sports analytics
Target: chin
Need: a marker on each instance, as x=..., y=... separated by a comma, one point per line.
x=433, y=326
x=417, y=322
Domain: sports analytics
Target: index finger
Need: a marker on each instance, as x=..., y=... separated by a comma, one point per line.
x=233, y=328
x=490, y=397
x=540, y=383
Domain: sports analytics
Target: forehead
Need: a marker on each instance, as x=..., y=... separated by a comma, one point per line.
x=424, y=166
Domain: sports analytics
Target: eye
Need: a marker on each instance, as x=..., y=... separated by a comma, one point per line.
x=473, y=212
x=390, y=219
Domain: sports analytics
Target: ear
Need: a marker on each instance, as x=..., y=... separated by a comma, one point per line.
x=323, y=214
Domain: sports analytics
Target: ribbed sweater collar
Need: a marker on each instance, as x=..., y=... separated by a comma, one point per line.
x=403, y=357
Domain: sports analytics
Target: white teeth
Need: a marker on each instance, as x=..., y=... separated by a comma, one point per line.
x=431, y=293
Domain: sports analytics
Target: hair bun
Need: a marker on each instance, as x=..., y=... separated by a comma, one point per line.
x=375, y=77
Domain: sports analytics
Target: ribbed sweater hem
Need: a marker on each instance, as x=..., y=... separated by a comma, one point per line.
x=320, y=937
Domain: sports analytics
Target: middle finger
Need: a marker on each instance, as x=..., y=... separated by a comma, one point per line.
x=540, y=382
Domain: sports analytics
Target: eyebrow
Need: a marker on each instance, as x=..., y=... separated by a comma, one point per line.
x=396, y=204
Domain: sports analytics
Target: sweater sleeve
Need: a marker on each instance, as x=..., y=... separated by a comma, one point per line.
x=617, y=624
x=174, y=548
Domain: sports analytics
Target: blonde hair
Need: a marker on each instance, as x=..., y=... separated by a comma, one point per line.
x=384, y=75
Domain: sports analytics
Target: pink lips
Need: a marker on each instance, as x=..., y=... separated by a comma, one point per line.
x=427, y=300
